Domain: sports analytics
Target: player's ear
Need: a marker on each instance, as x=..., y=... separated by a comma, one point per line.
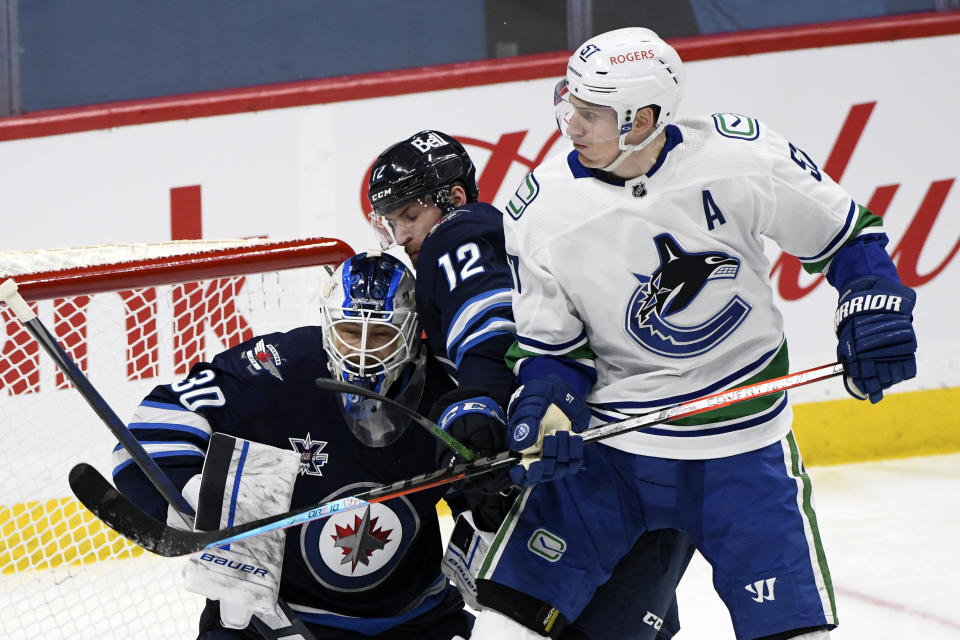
x=645, y=120
x=458, y=195
x=643, y=123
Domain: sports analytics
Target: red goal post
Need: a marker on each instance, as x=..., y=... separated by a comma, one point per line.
x=131, y=317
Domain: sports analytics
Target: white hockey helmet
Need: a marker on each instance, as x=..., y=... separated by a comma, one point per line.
x=626, y=70
x=371, y=336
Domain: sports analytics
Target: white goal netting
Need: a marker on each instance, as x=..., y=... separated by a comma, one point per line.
x=62, y=574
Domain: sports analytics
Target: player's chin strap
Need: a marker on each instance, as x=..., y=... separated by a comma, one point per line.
x=627, y=149
x=146, y=464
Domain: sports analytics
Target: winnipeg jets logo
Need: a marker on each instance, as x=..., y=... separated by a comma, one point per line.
x=355, y=550
x=670, y=290
x=360, y=541
x=310, y=457
x=263, y=357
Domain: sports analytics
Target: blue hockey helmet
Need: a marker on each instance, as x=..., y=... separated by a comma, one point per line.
x=371, y=336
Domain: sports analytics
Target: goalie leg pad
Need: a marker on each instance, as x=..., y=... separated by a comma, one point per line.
x=464, y=555
x=242, y=481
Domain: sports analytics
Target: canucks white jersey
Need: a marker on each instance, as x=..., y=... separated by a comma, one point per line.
x=662, y=280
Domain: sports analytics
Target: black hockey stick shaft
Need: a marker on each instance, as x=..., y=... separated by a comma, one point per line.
x=40, y=333
x=127, y=519
x=130, y=521
x=452, y=443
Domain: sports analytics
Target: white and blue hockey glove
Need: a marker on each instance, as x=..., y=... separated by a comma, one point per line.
x=545, y=416
x=875, y=335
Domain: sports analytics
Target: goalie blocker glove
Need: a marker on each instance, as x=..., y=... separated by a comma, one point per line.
x=545, y=416
x=876, y=340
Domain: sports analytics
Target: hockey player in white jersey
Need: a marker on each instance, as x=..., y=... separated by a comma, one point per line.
x=640, y=282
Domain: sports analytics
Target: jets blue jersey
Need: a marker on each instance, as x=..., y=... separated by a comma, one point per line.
x=263, y=390
x=464, y=297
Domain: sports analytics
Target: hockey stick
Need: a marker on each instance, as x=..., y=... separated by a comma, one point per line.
x=328, y=384
x=147, y=465
x=40, y=333
x=126, y=518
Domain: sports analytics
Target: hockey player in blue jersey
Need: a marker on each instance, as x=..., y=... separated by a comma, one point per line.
x=424, y=196
x=641, y=282
x=361, y=574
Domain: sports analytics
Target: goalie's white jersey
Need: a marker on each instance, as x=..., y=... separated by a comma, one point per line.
x=664, y=276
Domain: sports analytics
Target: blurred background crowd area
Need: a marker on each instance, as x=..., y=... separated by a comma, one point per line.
x=66, y=53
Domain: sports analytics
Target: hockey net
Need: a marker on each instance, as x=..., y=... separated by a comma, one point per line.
x=132, y=317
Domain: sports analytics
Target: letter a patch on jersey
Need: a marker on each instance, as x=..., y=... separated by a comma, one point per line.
x=670, y=289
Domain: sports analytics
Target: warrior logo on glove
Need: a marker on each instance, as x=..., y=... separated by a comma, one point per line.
x=875, y=336
x=867, y=302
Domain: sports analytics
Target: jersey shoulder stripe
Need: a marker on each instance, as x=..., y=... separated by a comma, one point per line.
x=122, y=459
x=489, y=329
x=865, y=223
x=536, y=347
x=842, y=236
x=156, y=415
x=167, y=406
x=473, y=310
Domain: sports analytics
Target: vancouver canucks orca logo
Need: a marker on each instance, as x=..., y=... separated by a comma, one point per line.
x=670, y=289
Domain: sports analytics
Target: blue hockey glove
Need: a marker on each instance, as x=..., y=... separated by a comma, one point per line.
x=545, y=416
x=876, y=338
x=476, y=421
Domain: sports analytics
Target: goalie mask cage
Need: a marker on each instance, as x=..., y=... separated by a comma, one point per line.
x=131, y=317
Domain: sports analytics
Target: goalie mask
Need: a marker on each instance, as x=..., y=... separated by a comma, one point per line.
x=422, y=168
x=371, y=336
x=619, y=73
